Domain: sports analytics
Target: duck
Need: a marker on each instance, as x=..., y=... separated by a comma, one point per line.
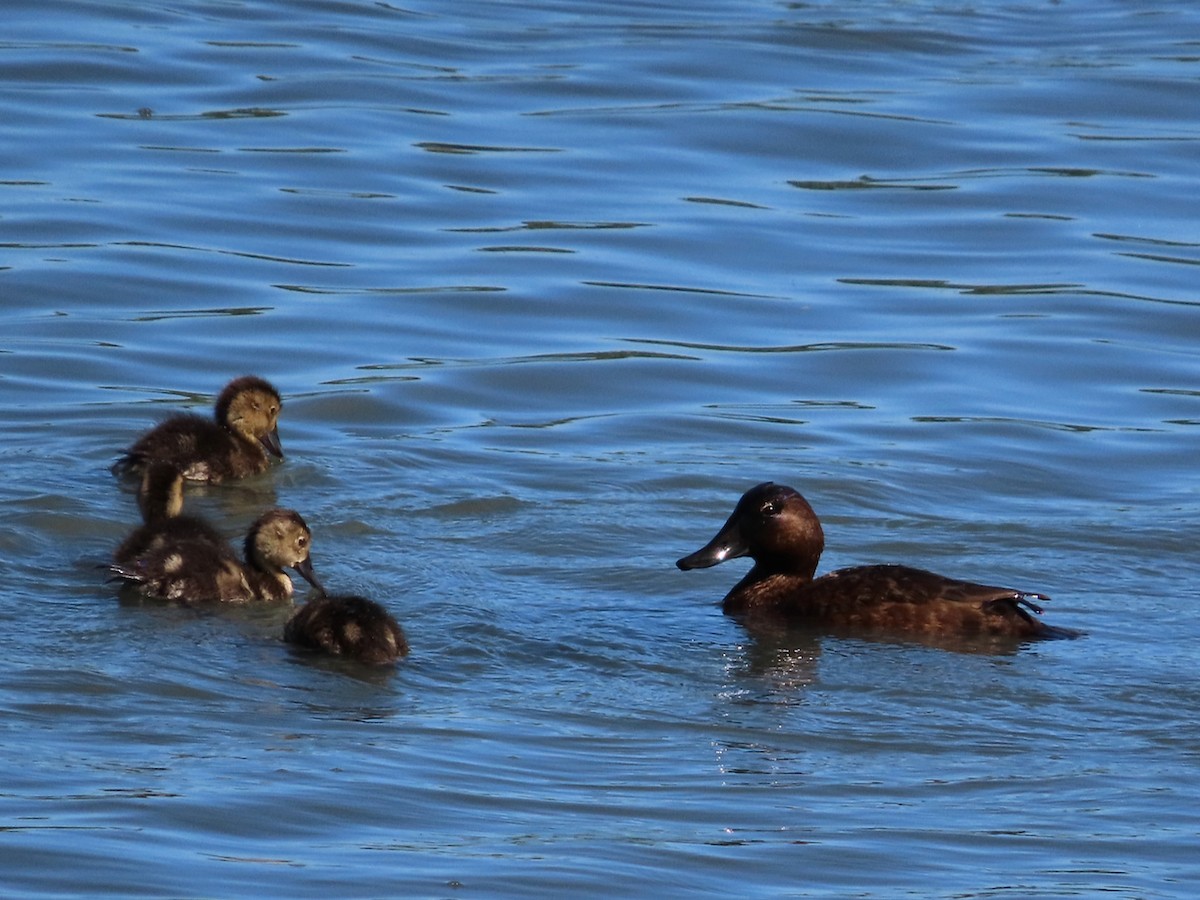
x=349, y=626
x=175, y=557
x=234, y=444
x=160, y=499
x=776, y=527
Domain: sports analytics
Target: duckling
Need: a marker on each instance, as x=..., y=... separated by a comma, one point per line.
x=198, y=565
x=349, y=626
x=160, y=499
x=775, y=526
x=234, y=444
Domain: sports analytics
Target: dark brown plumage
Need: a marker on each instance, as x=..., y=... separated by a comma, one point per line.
x=777, y=528
x=173, y=557
x=348, y=626
x=160, y=499
x=233, y=444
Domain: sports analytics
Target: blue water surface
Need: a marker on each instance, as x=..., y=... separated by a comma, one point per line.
x=546, y=287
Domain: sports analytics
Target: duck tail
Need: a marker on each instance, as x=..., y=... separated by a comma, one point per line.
x=127, y=465
x=118, y=572
x=1025, y=603
x=1058, y=633
x=1018, y=603
x=1026, y=600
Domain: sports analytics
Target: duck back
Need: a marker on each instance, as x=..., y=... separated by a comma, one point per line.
x=149, y=539
x=200, y=448
x=892, y=598
x=160, y=500
x=348, y=626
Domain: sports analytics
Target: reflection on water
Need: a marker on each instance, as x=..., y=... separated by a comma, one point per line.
x=544, y=285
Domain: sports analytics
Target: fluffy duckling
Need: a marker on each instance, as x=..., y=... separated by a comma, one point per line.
x=348, y=626
x=160, y=499
x=192, y=563
x=234, y=444
x=775, y=526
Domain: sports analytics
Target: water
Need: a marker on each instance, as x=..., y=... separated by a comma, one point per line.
x=546, y=287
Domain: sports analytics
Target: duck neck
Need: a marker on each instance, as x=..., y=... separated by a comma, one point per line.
x=284, y=582
x=270, y=582
x=270, y=578
x=801, y=568
x=247, y=442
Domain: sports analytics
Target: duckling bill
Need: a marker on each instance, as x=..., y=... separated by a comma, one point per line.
x=348, y=626
x=235, y=443
x=777, y=528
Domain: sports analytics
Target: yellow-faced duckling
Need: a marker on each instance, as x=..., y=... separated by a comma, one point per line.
x=234, y=444
x=183, y=558
x=348, y=626
x=775, y=526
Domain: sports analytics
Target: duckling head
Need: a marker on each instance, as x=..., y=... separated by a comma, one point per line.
x=280, y=540
x=774, y=525
x=250, y=406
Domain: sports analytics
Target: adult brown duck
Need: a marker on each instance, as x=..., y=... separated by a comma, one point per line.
x=775, y=526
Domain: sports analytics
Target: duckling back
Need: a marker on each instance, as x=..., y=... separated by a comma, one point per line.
x=172, y=556
x=348, y=626
x=160, y=499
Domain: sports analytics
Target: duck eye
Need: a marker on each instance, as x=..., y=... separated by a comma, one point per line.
x=771, y=508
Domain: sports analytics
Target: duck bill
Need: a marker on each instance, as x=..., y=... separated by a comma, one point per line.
x=304, y=567
x=270, y=440
x=728, y=544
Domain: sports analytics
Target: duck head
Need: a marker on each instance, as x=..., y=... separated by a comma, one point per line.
x=250, y=406
x=774, y=526
x=279, y=540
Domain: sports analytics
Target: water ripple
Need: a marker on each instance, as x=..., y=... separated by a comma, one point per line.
x=471, y=149
x=674, y=288
x=291, y=261
x=803, y=348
